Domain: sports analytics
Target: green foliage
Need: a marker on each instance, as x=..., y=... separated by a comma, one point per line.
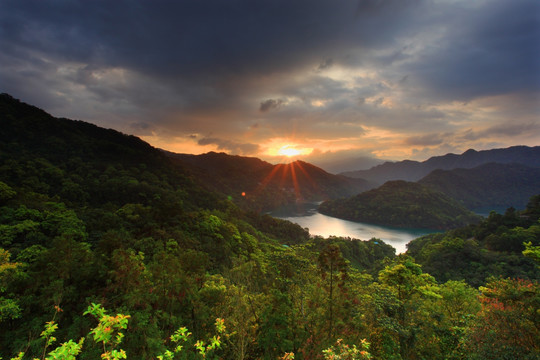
x=494, y=247
x=532, y=252
x=92, y=216
x=108, y=331
x=67, y=351
x=9, y=308
x=341, y=351
x=6, y=192
x=402, y=204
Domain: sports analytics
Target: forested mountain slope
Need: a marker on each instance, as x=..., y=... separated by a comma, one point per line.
x=401, y=204
x=258, y=185
x=489, y=248
x=414, y=170
x=92, y=216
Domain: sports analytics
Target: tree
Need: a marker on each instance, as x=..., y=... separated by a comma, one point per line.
x=333, y=268
x=507, y=325
x=9, y=308
x=448, y=319
x=412, y=288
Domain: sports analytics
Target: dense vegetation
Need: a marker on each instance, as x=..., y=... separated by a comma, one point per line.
x=90, y=216
x=401, y=204
x=476, y=252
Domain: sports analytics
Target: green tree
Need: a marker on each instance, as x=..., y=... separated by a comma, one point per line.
x=333, y=268
x=275, y=335
x=446, y=321
x=9, y=307
x=412, y=288
x=532, y=252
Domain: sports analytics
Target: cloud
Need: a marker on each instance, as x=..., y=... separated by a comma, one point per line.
x=486, y=50
x=503, y=130
x=231, y=146
x=270, y=104
x=326, y=64
x=406, y=69
x=141, y=126
x=425, y=140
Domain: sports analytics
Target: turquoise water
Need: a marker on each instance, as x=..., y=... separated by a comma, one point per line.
x=307, y=216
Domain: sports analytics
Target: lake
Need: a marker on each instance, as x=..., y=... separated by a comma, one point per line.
x=307, y=216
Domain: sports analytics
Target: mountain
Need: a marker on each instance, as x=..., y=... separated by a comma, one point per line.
x=81, y=163
x=413, y=170
x=96, y=222
x=402, y=204
x=90, y=215
x=488, y=249
x=259, y=185
x=489, y=185
x=335, y=165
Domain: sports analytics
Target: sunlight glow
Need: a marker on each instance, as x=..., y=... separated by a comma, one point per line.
x=291, y=150
x=318, y=103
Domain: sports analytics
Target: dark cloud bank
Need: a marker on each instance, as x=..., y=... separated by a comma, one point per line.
x=168, y=64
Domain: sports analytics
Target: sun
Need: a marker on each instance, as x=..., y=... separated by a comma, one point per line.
x=284, y=148
x=289, y=151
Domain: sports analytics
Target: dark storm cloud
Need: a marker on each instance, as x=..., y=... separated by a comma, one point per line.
x=197, y=40
x=182, y=38
x=488, y=50
x=331, y=67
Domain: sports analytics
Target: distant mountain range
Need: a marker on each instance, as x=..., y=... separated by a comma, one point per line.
x=413, y=170
x=336, y=165
x=261, y=186
x=493, y=184
x=489, y=179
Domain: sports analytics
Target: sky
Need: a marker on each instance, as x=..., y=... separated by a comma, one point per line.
x=326, y=81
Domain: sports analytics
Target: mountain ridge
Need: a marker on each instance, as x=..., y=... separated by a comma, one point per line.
x=402, y=204
x=411, y=170
x=261, y=186
x=488, y=185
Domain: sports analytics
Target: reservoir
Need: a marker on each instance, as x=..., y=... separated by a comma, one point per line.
x=307, y=216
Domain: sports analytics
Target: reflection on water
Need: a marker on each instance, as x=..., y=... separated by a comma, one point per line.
x=307, y=216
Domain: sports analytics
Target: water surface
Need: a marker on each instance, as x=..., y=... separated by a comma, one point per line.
x=307, y=216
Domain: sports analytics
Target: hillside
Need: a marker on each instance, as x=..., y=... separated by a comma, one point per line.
x=401, y=204
x=489, y=248
x=258, y=185
x=414, y=170
x=91, y=216
x=489, y=185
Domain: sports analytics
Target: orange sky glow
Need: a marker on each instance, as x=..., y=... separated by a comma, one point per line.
x=346, y=80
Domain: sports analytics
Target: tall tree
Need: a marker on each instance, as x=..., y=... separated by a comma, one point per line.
x=333, y=268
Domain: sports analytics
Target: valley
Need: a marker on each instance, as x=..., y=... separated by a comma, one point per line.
x=182, y=249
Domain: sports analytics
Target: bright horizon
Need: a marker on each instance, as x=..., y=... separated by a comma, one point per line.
x=327, y=82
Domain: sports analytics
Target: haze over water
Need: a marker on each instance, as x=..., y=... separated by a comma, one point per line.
x=307, y=216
